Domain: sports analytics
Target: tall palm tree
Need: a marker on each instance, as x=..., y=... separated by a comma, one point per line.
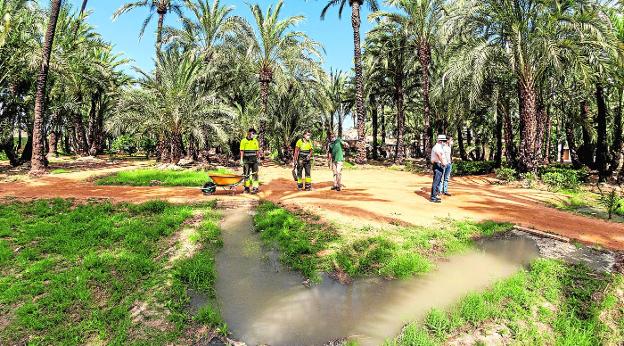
x=210, y=26
x=421, y=21
x=39, y=162
x=275, y=46
x=356, y=6
x=566, y=31
x=159, y=7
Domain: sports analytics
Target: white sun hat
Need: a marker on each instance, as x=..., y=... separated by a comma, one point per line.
x=442, y=137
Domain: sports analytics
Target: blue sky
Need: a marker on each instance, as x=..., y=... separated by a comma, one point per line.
x=335, y=35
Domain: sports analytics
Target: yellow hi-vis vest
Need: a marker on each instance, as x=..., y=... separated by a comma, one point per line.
x=249, y=147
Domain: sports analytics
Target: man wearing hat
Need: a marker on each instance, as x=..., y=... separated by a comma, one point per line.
x=439, y=162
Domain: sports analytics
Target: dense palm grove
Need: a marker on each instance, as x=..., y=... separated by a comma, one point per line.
x=512, y=80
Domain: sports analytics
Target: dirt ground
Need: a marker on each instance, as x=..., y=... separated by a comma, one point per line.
x=372, y=196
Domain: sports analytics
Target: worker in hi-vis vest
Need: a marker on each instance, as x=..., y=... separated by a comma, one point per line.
x=303, y=160
x=249, y=152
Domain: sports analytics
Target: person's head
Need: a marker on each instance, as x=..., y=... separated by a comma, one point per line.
x=307, y=135
x=251, y=133
x=332, y=136
x=449, y=140
x=441, y=139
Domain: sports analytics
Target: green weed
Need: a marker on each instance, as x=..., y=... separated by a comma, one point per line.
x=164, y=177
x=389, y=253
x=71, y=273
x=550, y=303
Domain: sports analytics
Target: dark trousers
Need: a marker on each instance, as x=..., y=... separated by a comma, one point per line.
x=250, y=170
x=302, y=165
x=438, y=173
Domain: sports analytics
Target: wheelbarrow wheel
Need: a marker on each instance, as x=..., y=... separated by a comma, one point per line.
x=209, y=188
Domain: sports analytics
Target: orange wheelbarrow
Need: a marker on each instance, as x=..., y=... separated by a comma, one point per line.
x=229, y=182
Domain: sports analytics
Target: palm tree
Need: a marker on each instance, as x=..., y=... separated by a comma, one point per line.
x=275, y=46
x=160, y=7
x=39, y=162
x=211, y=27
x=567, y=30
x=336, y=92
x=357, y=54
x=420, y=21
x=175, y=104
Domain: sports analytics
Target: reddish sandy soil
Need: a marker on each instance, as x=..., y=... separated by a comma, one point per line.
x=372, y=196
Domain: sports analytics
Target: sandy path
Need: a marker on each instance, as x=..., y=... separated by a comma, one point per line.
x=372, y=196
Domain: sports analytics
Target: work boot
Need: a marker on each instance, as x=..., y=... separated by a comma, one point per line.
x=447, y=194
x=299, y=187
x=334, y=188
x=435, y=200
x=308, y=187
x=255, y=190
x=246, y=189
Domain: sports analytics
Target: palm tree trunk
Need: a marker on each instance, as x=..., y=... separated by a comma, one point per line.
x=161, y=20
x=460, y=141
x=375, y=116
x=602, y=152
x=528, y=116
x=498, y=156
x=424, y=56
x=548, y=139
x=39, y=162
x=618, y=143
x=340, y=120
x=359, y=84
x=93, y=124
x=586, y=151
x=84, y=6
x=569, y=131
x=176, y=147
x=398, y=94
x=264, y=106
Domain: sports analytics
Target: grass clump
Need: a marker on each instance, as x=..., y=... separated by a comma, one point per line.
x=73, y=273
x=60, y=171
x=506, y=174
x=298, y=241
x=311, y=247
x=550, y=303
x=164, y=177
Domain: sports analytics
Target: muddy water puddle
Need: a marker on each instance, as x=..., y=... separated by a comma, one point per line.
x=264, y=303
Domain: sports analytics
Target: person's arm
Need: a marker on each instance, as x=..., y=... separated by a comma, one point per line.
x=295, y=155
x=242, y=153
x=442, y=157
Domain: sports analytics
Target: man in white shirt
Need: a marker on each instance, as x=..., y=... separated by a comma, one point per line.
x=448, y=146
x=438, y=161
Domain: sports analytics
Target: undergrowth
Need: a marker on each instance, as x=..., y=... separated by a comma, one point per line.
x=551, y=303
x=312, y=247
x=74, y=273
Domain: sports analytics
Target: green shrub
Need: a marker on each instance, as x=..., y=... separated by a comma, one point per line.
x=582, y=174
x=529, y=179
x=506, y=174
x=562, y=179
x=612, y=201
x=473, y=167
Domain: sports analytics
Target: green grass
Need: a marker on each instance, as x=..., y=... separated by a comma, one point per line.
x=584, y=203
x=72, y=273
x=60, y=171
x=551, y=303
x=312, y=247
x=164, y=177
